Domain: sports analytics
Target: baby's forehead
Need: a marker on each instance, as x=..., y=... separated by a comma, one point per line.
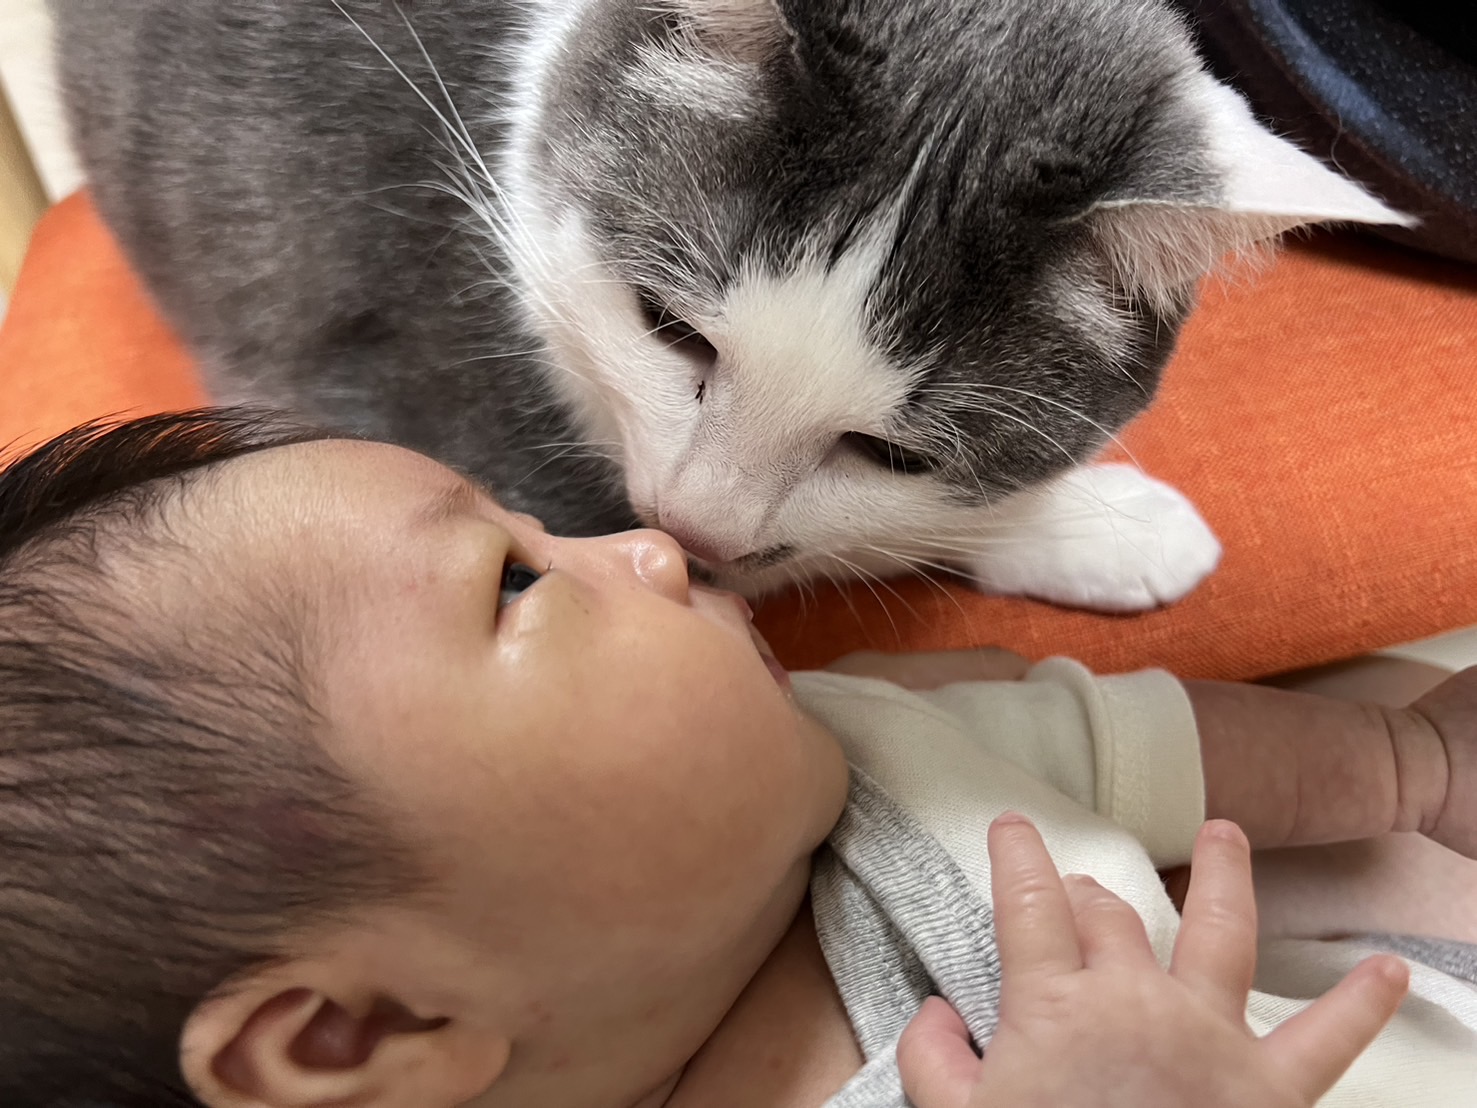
x=326, y=486
x=300, y=521
x=338, y=521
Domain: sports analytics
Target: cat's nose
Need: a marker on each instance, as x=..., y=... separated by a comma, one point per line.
x=707, y=548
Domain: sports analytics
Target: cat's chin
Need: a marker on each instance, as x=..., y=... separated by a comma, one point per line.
x=750, y=584
x=1105, y=538
x=799, y=568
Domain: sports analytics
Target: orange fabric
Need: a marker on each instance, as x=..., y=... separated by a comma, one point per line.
x=1322, y=415
x=80, y=339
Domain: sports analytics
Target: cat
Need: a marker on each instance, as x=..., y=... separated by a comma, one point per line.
x=821, y=287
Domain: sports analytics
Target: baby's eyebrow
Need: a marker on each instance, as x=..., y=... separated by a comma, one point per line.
x=460, y=498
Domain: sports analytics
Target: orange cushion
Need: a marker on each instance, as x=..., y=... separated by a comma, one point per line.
x=1323, y=416
x=81, y=340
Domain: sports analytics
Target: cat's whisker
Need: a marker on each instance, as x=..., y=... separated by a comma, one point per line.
x=910, y=559
x=559, y=457
x=807, y=588
x=497, y=356
x=504, y=210
x=924, y=571
x=981, y=404
x=1110, y=436
x=470, y=179
x=804, y=585
x=866, y=578
x=457, y=130
x=1029, y=426
x=706, y=257
x=592, y=445
x=838, y=583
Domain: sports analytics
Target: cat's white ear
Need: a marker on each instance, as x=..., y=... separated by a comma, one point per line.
x=1267, y=177
x=744, y=30
x=1159, y=246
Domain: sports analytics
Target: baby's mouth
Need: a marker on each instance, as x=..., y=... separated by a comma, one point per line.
x=780, y=674
x=722, y=600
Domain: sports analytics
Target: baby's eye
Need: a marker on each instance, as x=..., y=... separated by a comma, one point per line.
x=517, y=578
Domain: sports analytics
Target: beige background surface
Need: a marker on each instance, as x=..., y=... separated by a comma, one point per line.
x=25, y=67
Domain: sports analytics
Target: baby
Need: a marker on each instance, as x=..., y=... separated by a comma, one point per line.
x=328, y=782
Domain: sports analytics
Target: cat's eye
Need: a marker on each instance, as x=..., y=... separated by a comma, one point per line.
x=517, y=579
x=674, y=331
x=889, y=455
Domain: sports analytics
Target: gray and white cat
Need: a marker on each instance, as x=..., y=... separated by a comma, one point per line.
x=819, y=286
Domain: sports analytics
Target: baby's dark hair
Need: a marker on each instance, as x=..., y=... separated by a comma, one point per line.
x=167, y=817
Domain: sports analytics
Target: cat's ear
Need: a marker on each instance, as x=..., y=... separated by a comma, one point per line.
x=743, y=30
x=1160, y=245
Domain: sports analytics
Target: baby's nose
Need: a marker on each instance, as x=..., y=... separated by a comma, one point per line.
x=656, y=558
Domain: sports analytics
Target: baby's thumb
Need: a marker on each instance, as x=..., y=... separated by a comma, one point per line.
x=937, y=1061
x=1315, y=1047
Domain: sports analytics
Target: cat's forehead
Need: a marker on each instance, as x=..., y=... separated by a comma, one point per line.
x=987, y=120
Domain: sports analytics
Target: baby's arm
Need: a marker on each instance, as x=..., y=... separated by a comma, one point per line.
x=1292, y=768
x=1296, y=768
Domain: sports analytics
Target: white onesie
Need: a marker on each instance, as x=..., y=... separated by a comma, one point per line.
x=1109, y=769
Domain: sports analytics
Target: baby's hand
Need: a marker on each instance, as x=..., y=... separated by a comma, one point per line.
x=1445, y=726
x=934, y=670
x=1088, y=1019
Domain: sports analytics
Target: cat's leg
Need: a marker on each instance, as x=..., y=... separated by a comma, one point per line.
x=1106, y=537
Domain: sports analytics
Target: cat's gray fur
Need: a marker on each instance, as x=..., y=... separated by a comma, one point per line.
x=263, y=167
x=319, y=229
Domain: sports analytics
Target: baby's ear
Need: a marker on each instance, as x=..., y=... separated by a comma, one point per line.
x=304, y=1034
x=1158, y=245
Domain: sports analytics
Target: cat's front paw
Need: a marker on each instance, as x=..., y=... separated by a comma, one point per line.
x=1105, y=537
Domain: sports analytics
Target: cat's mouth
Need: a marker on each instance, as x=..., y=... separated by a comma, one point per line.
x=712, y=572
x=763, y=559
x=700, y=570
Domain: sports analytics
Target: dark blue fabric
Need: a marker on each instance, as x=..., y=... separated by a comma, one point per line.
x=1385, y=91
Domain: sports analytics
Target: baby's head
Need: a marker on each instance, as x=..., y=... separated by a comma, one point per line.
x=326, y=780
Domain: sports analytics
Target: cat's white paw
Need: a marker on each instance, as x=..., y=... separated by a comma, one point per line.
x=1106, y=537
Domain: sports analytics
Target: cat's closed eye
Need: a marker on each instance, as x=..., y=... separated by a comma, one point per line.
x=889, y=455
x=671, y=329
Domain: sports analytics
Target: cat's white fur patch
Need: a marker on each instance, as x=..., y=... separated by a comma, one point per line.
x=687, y=79
x=1081, y=295
x=799, y=370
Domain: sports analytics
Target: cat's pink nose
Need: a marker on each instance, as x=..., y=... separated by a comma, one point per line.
x=708, y=548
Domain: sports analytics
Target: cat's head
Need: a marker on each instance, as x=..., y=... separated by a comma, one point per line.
x=829, y=278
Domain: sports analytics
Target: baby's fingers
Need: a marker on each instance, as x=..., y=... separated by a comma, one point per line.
x=1034, y=925
x=1215, y=954
x=1317, y=1045
x=938, y=1064
x=1108, y=928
